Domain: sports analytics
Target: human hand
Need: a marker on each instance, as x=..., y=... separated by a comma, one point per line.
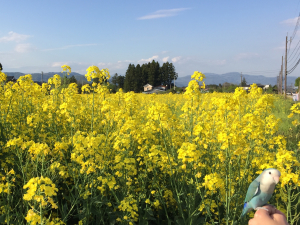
x=271, y=217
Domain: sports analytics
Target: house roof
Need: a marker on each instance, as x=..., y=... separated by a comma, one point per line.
x=148, y=85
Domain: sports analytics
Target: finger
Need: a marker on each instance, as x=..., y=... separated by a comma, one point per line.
x=264, y=213
x=279, y=216
x=279, y=212
x=251, y=222
x=271, y=209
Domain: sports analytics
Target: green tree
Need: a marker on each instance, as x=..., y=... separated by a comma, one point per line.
x=137, y=83
x=231, y=88
x=244, y=82
x=297, y=82
x=129, y=78
x=72, y=79
x=144, y=78
x=113, y=88
x=120, y=81
x=154, y=73
x=168, y=74
x=269, y=90
x=114, y=79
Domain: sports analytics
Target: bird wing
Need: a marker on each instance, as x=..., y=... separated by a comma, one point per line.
x=254, y=189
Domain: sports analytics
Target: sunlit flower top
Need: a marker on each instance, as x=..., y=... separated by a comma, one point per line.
x=66, y=68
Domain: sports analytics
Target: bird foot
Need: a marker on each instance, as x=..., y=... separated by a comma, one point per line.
x=257, y=208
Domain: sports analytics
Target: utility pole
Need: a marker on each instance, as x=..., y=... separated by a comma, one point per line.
x=278, y=82
x=285, y=71
x=298, y=97
x=42, y=77
x=281, y=75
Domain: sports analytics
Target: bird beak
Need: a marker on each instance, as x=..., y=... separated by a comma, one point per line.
x=276, y=178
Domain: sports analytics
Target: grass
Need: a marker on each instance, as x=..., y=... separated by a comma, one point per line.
x=286, y=128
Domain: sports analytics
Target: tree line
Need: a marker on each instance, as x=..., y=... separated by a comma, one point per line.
x=149, y=73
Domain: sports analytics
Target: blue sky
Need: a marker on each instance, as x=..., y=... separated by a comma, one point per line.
x=214, y=36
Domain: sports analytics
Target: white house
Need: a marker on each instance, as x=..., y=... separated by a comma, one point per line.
x=148, y=87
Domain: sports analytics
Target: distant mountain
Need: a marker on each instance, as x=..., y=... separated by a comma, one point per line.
x=234, y=78
x=211, y=78
x=46, y=76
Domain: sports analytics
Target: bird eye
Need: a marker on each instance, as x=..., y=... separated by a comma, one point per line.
x=269, y=172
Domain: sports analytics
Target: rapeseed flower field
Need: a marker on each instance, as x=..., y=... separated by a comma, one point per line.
x=127, y=158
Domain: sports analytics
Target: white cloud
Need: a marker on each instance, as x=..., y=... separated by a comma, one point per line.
x=59, y=64
x=162, y=13
x=22, y=48
x=290, y=22
x=101, y=64
x=12, y=36
x=165, y=59
x=176, y=59
x=114, y=65
x=148, y=60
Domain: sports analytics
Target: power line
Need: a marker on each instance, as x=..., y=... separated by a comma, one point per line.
x=291, y=56
x=296, y=28
x=294, y=67
x=294, y=51
x=295, y=59
x=294, y=33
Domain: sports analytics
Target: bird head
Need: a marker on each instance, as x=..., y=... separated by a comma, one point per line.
x=271, y=176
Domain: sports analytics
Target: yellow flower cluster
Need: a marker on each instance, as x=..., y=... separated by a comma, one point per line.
x=131, y=158
x=41, y=189
x=2, y=77
x=129, y=205
x=34, y=218
x=66, y=69
x=94, y=72
x=56, y=80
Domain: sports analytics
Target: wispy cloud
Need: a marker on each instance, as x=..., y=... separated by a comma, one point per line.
x=59, y=64
x=68, y=46
x=26, y=47
x=290, y=22
x=13, y=36
x=155, y=57
x=165, y=59
x=162, y=13
x=176, y=59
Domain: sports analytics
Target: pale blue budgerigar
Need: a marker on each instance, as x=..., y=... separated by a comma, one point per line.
x=260, y=190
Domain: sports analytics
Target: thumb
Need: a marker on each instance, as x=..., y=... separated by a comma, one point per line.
x=261, y=216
